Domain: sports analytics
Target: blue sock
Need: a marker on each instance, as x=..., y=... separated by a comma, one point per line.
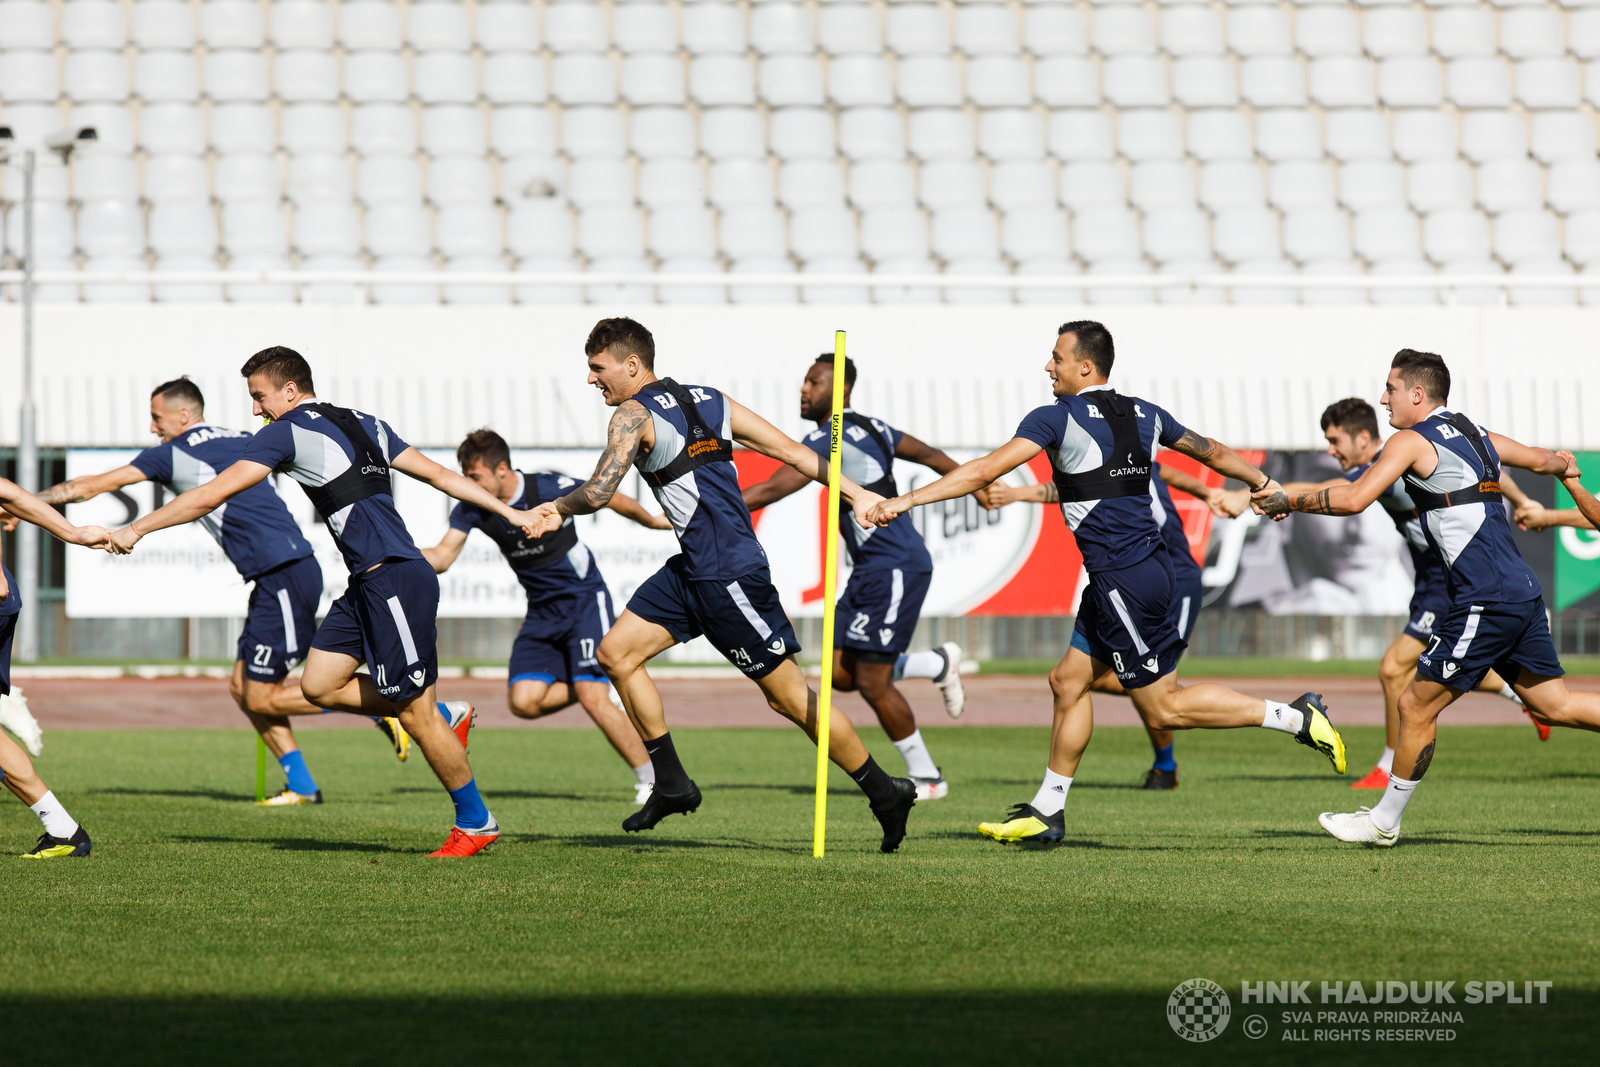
x=294, y=770
x=1164, y=760
x=470, y=812
x=446, y=713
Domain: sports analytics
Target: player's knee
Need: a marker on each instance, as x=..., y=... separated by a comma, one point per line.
x=1390, y=669
x=615, y=658
x=1160, y=717
x=1066, y=683
x=1412, y=708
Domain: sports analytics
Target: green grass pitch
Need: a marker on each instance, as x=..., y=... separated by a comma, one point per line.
x=205, y=930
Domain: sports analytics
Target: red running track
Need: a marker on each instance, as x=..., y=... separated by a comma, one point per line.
x=992, y=700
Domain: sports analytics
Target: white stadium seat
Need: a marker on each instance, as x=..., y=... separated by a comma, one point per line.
x=539, y=229
x=1161, y=184
x=1479, y=81
x=929, y=81
x=1300, y=184
x=1105, y=233
x=1549, y=82
x=514, y=78
x=1148, y=133
x=1077, y=134
x=445, y=77
x=857, y=80
x=1259, y=30
x=1487, y=135
x=657, y=132
x=469, y=230
x=717, y=79
x=1395, y=31
x=966, y=234
x=1050, y=29
x=1120, y=29
x=388, y=179
x=1008, y=134
x=1357, y=133
x=1583, y=33
x=872, y=133
x=1204, y=81
x=26, y=24
x=950, y=182
x=183, y=227
x=311, y=179
x=917, y=29
x=1342, y=81
x=1092, y=184
x=583, y=78
x=253, y=227
x=303, y=75
x=104, y=175
x=986, y=29
x=636, y=27
x=378, y=129
x=90, y=24
x=610, y=232
x=105, y=227
x=1131, y=81
x=1272, y=81
x=1464, y=31
x=240, y=178
x=1232, y=184
x=894, y=233
x=936, y=133
x=1173, y=234
x=113, y=125
x=453, y=130
x=1421, y=134
x=713, y=27
x=882, y=183
x=738, y=132
x=1387, y=234
x=1021, y=183
x=512, y=27
x=812, y=183
x=1317, y=233
x=1455, y=236
x=1510, y=184
x=652, y=78
x=1574, y=185
x=1245, y=234
x=232, y=24
x=849, y=29
x=1410, y=81
x=600, y=182
x=1439, y=185
x=593, y=131
x=28, y=76
x=789, y=80
x=175, y=178
x=531, y=178
x=575, y=26
x=1367, y=185
x=1327, y=30
x=1063, y=81
x=1532, y=31
x=158, y=24
x=1527, y=236
x=669, y=182
x=371, y=25
x=752, y=233
x=1288, y=133
x=95, y=75
x=1560, y=135
x=823, y=233
x=1220, y=134
x=740, y=182
x=438, y=26
x=1034, y=234
x=235, y=75
x=1583, y=238
x=1192, y=30
x=777, y=28
x=373, y=77
x=521, y=131
x=300, y=24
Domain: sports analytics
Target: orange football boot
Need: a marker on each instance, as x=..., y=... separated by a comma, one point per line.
x=1377, y=778
x=462, y=843
x=1544, y=729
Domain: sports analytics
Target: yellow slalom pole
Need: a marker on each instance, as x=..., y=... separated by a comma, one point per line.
x=830, y=574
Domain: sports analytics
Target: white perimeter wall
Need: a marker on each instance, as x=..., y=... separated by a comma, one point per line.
x=955, y=376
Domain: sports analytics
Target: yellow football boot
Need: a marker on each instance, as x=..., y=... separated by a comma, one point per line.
x=396, y=734
x=1024, y=823
x=1316, y=731
x=50, y=848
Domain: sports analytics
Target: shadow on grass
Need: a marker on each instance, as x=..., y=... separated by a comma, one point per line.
x=636, y=843
x=290, y=844
x=963, y=835
x=965, y=1027
x=187, y=794
x=793, y=790
x=522, y=794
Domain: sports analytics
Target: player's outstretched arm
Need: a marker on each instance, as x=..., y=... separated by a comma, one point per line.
x=624, y=436
x=999, y=494
x=974, y=474
x=756, y=433
x=936, y=460
x=24, y=505
x=441, y=555
x=629, y=508
x=186, y=507
x=77, y=490
x=457, y=485
x=1224, y=503
x=1527, y=457
x=1588, y=506
x=784, y=482
x=1339, y=497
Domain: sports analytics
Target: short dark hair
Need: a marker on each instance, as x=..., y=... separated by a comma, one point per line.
x=1352, y=415
x=482, y=446
x=281, y=365
x=625, y=334
x=1424, y=369
x=1093, y=343
x=181, y=391
x=849, y=368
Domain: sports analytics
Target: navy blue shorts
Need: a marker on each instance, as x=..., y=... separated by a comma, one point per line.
x=1125, y=620
x=1429, y=604
x=877, y=612
x=386, y=620
x=742, y=619
x=1186, y=608
x=1473, y=638
x=8, y=631
x=559, y=639
x=280, y=621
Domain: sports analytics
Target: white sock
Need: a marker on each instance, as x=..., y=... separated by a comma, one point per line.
x=1510, y=694
x=1282, y=717
x=645, y=772
x=1386, y=816
x=57, y=823
x=1052, y=795
x=1386, y=761
x=919, y=762
x=929, y=665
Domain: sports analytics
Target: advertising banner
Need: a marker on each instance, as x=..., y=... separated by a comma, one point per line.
x=1577, y=551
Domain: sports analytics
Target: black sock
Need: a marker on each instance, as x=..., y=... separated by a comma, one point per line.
x=874, y=782
x=671, y=778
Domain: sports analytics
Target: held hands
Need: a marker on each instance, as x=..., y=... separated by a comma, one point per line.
x=982, y=496
x=999, y=494
x=120, y=543
x=8, y=523
x=865, y=503
x=1270, y=500
x=1227, y=503
x=1572, y=470
x=1533, y=516
x=541, y=520
x=658, y=522
x=885, y=511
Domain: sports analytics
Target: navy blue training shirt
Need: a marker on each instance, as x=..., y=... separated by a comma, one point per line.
x=705, y=505
x=863, y=461
x=313, y=451
x=1115, y=532
x=1473, y=537
x=542, y=577
x=1428, y=565
x=255, y=529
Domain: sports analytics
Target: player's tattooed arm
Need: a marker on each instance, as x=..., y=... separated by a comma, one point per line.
x=974, y=474
x=1000, y=494
x=196, y=503
x=624, y=435
x=85, y=487
x=1339, y=497
x=23, y=504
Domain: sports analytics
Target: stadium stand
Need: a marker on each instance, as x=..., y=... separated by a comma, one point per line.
x=1325, y=138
